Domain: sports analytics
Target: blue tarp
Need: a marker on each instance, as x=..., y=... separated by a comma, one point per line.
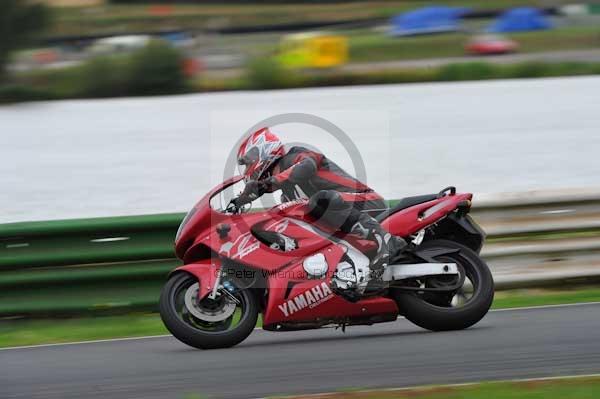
x=427, y=20
x=520, y=19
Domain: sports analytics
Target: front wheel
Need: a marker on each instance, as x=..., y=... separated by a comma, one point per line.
x=454, y=310
x=210, y=323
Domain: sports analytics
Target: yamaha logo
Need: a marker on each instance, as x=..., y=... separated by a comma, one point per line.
x=309, y=298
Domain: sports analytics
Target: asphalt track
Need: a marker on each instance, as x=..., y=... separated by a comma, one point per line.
x=522, y=343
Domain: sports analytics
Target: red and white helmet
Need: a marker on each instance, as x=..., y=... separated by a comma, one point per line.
x=258, y=153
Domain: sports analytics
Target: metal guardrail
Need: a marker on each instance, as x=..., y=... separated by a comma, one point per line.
x=120, y=263
x=77, y=266
x=542, y=241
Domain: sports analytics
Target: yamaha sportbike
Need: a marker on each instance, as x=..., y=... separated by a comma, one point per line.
x=279, y=263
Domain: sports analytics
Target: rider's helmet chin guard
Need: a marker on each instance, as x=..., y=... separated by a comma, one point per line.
x=258, y=152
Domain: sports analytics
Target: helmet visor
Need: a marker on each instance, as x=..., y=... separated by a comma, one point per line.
x=249, y=160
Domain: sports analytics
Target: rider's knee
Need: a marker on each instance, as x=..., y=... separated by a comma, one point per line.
x=325, y=200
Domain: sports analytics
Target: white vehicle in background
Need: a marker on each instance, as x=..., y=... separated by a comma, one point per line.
x=119, y=44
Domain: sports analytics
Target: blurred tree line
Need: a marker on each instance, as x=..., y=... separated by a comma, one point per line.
x=155, y=69
x=20, y=21
x=228, y=2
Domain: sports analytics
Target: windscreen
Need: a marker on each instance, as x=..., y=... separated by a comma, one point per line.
x=220, y=200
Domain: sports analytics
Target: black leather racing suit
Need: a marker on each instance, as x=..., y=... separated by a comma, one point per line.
x=335, y=197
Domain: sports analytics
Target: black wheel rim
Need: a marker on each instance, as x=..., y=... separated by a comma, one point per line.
x=457, y=298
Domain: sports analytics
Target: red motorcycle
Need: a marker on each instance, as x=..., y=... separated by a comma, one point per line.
x=279, y=262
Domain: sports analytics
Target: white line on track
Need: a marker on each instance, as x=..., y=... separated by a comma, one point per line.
x=564, y=305
x=96, y=341
x=560, y=305
x=425, y=387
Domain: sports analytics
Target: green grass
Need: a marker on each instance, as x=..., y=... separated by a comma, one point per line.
x=539, y=297
x=18, y=332
x=370, y=47
x=453, y=72
x=136, y=18
x=560, y=388
x=31, y=332
x=541, y=236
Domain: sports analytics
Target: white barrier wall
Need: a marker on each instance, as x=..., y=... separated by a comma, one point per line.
x=88, y=158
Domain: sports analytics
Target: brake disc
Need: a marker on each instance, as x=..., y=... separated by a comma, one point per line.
x=208, y=309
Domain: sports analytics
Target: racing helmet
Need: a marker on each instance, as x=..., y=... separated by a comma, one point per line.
x=258, y=153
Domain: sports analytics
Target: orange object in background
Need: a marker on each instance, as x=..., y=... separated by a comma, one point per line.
x=192, y=67
x=45, y=56
x=160, y=10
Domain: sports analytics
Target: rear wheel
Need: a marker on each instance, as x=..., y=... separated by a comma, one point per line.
x=209, y=323
x=453, y=310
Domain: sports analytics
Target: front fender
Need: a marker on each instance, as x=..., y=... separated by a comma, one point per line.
x=206, y=271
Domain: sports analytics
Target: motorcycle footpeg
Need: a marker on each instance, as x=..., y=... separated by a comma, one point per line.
x=374, y=288
x=349, y=294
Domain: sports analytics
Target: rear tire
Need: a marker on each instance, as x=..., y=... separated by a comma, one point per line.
x=442, y=318
x=194, y=336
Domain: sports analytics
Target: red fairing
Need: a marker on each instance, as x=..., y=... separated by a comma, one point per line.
x=295, y=298
x=409, y=221
x=243, y=247
x=205, y=271
x=202, y=217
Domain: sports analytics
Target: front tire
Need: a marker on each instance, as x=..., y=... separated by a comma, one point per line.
x=435, y=312
x=209, y=333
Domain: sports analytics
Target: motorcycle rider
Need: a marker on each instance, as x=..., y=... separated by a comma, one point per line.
x=335, y=198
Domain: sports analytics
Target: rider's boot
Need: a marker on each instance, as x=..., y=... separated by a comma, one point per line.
x=388, y=246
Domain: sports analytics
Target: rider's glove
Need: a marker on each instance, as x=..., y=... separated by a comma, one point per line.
x=254, y=189
x=233, y=205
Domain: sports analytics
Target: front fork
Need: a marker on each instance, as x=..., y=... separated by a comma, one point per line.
x=216, y=283
x=219, y=287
